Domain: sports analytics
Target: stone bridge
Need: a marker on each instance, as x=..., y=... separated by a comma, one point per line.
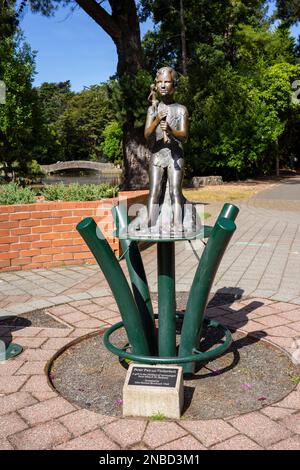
x=81, y=165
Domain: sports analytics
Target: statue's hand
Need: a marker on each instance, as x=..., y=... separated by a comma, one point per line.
x=162, y=115
x=165, y=126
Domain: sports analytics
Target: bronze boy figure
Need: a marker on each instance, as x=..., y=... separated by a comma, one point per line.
x=167, y=128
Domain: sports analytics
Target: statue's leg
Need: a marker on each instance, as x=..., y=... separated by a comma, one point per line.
x=156, y=176
x=175, y=177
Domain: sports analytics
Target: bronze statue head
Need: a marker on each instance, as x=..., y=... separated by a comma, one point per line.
x=166, y=81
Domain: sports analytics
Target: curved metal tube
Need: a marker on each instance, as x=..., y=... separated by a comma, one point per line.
x=197, y=356
x=117, y=281
x=204, y=277
x=137, y=276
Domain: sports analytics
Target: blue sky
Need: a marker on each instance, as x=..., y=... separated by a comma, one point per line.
x=70, y=46
x=73, y=47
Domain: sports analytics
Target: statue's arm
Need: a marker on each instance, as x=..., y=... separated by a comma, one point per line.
x=182, y=132
x=152, y=122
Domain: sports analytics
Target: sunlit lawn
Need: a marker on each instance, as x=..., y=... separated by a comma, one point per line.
x=225, y=192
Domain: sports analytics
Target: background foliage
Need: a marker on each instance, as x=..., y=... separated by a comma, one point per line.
x=236, y=81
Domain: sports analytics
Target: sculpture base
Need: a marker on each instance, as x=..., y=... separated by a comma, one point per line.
x=152, y=236
x=164, y=227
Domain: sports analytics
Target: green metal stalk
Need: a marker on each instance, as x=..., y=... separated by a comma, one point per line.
x=137, y=276
x=204, y=277
x=116, y=279
x=9, y=351
x=166, y=299
x=229, y=211
x=197, y=356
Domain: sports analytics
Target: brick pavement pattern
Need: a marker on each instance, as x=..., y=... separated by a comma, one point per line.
x=34, y=416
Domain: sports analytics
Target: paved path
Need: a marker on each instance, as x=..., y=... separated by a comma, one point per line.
x=34, y=416
x=287, y=190
x=262, y=262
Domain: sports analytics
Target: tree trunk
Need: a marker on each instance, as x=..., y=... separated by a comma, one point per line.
x=136, y=159
x=183, y=39
x=130, y=61
x=128, y=39
x=122, y=25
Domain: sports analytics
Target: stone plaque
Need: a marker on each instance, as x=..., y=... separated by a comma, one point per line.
x=153, y=377
x=152, y=390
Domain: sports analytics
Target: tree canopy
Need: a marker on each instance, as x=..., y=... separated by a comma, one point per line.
x=236, y=77
x=288, y=11
x=20, y=117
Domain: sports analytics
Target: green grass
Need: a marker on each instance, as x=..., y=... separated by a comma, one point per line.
x=221, y=193
x=295, y=379
x=157, y=417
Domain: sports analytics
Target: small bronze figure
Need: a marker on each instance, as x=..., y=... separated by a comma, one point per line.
x=167, y=122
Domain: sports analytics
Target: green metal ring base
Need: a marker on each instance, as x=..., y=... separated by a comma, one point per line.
x=196, y=357
x=11, y=351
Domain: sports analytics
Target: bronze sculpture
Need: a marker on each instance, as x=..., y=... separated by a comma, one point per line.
x=166, y=129
x=169, y=218
x=168, y=122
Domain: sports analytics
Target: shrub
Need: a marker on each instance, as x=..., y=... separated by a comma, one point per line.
x=14, y=194
x=112, y=144
x=78, y=192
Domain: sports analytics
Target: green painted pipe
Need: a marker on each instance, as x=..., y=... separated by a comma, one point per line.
x=116, y=279
x=137, y=276
x=204, y=277
x=229, y=211
x=197, y=356
x=166, y=299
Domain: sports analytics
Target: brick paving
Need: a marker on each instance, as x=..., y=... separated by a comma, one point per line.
x=262, y=266
x=33, y=416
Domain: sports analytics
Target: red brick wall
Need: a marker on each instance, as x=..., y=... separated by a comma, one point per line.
x=44, y=235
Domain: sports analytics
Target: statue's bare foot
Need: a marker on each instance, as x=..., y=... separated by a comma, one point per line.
x=178, y=228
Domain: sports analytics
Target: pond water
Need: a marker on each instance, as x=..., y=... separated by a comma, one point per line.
x=83, y=177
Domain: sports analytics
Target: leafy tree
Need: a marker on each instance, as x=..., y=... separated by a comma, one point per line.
x=112, y=143
x=236, y=83
x=238, y=89
x=53, y=100
x=209, y=24
x=121, y=23
x=288, y=11
x=8, y=20
x=233, y=128
x=20, y=120
x=83, y=122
